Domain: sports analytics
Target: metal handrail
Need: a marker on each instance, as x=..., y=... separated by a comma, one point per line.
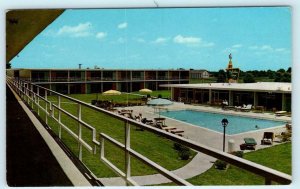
x=268, y=173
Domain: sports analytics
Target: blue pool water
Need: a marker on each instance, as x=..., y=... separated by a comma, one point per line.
x=212, y=121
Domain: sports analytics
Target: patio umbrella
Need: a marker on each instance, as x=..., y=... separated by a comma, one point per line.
x=158, y=102
x=111, y=92
x=145, y=91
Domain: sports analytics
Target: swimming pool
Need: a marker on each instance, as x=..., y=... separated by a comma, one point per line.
x=236, y=125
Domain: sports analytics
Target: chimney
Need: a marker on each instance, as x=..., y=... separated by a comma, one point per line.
x=79, y=66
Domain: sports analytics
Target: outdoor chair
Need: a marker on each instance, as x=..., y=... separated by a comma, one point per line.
x=147, y=121
x=165, y=128
x=267, y=138
x=280, y=113
x=176, y=131
x=249, y=144
x=247, y=108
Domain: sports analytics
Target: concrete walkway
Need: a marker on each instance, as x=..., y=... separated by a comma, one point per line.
x=200, y=162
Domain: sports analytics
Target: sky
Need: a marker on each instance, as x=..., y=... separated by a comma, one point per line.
x=259, y=38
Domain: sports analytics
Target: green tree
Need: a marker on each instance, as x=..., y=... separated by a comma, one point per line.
x=281, y=70
x=221, y=76
x=286, y=77
x=8, y=65
x=249, y=78
x=277, y=77
x=289, y=70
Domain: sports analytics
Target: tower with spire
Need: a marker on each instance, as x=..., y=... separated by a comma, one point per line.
x=232, y=73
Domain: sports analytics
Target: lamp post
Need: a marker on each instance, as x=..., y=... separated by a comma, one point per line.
x=224, y=124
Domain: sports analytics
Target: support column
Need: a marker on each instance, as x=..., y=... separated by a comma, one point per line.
x=230, y=100
x=68, y=88
x=209, y=96
x=283, y=102
x=255, y=103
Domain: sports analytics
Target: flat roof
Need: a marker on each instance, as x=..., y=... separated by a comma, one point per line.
x=92, y=69
x=259, y=86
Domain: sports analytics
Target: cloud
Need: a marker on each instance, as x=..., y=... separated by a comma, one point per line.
x=253, y=47
x=280, y=49
x=160, y=40
x=140, y=40
x=186, y=40
x=267, y=49
x=123, y=25
x=192, y=41
x=101, y=35
x=81, y=30
x=237, y=46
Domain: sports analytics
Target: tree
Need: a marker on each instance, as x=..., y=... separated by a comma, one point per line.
x=221, y=76
x=8, y=65
x=289, y=70
x=277, y=77
x=281, y=70
x=286, y=77
x=249, y=78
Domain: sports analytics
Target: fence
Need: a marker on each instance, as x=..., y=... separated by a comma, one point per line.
x=33, y=95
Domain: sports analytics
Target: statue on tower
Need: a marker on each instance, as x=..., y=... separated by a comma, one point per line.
x=230, y=56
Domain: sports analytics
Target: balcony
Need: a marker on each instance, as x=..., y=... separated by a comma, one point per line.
x=90, y=144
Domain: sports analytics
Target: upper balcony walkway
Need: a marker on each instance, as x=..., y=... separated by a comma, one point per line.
x=29, y=161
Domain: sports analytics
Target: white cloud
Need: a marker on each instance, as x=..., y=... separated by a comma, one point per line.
x=253, y=47
x=186, y=40
x=140, y=40
x=81, y=30
x=192, y=41
x=263, y=49
x=237, y=46
x=266, y=48
x=101, y=35
x=280, y=49
x=123, y=25
x=160, y=40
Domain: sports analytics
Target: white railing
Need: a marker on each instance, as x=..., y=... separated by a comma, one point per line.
x=33, y=97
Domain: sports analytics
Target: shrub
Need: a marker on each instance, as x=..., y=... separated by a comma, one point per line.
x=177, y=146
x=222, y=165
x=183, y=152
x=159, y=96
x=238, y=153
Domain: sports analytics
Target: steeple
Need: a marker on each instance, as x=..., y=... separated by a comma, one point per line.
x=232, y=73
x=230, y=62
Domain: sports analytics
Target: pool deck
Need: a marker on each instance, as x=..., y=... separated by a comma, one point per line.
x=203, y=136
x=209, y=137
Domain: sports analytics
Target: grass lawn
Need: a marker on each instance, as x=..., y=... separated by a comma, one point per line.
x=277, y=157
x=156, y=148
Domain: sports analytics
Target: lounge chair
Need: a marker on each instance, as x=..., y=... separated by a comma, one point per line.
x=247, y=108
x=165, y=128
x=176, y=131
x=249, y=144
x=280, y=113
x=146, y=121
x=267, y=138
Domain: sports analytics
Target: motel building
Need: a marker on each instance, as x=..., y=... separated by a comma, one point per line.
x=85, y=81
x=262, y=95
